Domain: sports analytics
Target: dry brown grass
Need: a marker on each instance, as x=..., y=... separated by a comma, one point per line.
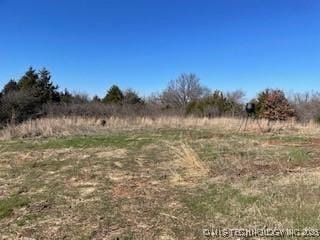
x=157, y=184
x=67, y=126
x=187, y=159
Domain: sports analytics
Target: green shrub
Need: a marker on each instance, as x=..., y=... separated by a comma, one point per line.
x=317, y=120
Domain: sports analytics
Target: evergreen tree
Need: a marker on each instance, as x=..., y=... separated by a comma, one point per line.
x=210, y=106
x=21, y=100
x=114, y=95
x=273, y=105
x=11, y=86
x=46, y=91
x=66, y=96
x=29, y=80
x=131, y=97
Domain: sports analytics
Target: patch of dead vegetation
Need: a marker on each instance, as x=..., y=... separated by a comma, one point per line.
x=309, y=142
x=61, y=154
x=116, y=153
x=260, y=185
x=309, y=176
x=186, y=166
x=135, y=187
x=70, y=126
x=40, y=206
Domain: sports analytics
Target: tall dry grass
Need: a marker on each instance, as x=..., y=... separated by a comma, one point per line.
x=185, y=157
x=66, y=126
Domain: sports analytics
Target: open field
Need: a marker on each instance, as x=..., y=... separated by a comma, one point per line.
x=155, y=179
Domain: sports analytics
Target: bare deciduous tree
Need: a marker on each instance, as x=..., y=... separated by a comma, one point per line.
x=236, y=101
x=307, y=105
x=184, y=89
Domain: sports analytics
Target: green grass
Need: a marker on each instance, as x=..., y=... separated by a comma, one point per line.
x=298, y=155
x=219, y=199
x=130, y=139
x=7, y=205
x=296, y=204
x=117, y=141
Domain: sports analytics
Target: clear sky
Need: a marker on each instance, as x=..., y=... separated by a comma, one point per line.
x=89, y=45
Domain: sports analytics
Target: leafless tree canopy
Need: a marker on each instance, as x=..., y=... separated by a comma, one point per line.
x=236, y=99
x=307, y=105
x=183, y=90
x=236, y=96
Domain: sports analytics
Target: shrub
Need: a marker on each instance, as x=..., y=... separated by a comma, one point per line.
x=317, y=120
x=18, y=106
x=214, y=105
x=273, y=105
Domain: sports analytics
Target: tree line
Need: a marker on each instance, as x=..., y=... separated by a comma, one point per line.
x=35, y=95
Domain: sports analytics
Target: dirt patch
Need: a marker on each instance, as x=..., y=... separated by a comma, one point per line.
x=135, y=187
x=40, y=206
x=265, y=168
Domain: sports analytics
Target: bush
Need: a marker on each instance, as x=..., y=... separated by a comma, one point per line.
x=317, y=120
x=273, y=105
x=18, y=106
x=214, y=105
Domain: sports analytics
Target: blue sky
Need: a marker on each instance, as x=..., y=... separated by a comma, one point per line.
x=229, y=44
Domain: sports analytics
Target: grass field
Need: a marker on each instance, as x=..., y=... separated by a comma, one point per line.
x=158, y=183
